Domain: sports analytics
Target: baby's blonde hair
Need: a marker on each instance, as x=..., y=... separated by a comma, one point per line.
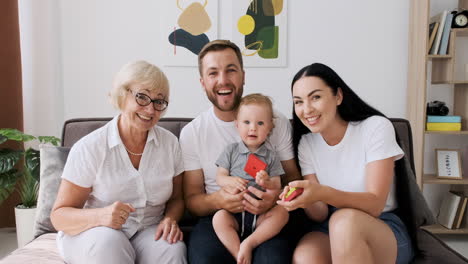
x=257, y=99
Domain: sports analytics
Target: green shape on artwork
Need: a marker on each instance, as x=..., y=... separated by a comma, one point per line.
x=267, y=36
x=271, y=53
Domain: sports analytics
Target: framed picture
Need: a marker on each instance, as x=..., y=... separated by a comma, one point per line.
x=448, y=164
x=186, y=27
x=259, y=28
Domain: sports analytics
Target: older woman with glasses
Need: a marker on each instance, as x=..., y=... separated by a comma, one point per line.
x=121, y=197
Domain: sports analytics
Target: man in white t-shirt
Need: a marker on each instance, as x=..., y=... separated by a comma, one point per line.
x=202, y=140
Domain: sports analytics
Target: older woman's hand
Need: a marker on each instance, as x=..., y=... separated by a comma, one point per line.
x=115, y=215
x=310, y=195
x=169, y=230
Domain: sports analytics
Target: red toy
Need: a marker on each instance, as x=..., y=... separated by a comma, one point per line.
x=254, y=165
x=293, y=193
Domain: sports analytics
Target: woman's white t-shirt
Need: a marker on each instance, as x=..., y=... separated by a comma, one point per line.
x=343, y=166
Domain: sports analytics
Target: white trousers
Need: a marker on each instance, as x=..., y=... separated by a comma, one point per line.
x=107, y=245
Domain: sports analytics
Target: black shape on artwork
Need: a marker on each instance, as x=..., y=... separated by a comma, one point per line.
x=261, y=21
x=184, y=39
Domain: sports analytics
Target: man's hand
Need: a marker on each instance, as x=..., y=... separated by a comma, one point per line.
x=230, y=202
x=267, y=200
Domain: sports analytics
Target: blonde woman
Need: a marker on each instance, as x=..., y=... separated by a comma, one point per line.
x=121, y=196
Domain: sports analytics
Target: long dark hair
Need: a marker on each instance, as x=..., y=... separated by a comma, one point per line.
x=353, y=108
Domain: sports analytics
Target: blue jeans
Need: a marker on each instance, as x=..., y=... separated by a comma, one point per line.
x=205, y=247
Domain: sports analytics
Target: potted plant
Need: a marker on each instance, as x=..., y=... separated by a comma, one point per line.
x=28, y=177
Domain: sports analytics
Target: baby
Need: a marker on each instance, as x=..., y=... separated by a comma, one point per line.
x=254, y=122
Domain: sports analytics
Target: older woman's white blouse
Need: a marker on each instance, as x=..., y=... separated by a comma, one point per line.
x=100, y=161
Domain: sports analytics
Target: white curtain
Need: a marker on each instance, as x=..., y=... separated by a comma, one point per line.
x=43, y=106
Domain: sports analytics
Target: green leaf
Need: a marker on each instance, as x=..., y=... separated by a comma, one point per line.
x=32, y=162
x=7, y=183
x=49, y=139
x=9, y=158
x=15, y=134
x=28, y=190
x=3, y=139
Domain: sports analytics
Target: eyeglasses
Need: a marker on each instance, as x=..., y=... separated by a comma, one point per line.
x=144, y=100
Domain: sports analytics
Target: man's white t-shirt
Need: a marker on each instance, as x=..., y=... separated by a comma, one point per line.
x=343, y=166
x=204, y=138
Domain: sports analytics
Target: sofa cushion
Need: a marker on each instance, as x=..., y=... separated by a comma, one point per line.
x=52, y=162
x=41, y=250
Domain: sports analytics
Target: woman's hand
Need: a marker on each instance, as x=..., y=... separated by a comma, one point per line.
x=169, y=230
x=311, y=194
x=115, y=215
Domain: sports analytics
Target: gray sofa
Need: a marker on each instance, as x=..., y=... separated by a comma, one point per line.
x=43, y=248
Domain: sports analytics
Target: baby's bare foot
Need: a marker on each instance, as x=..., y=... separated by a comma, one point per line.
x=245, y=253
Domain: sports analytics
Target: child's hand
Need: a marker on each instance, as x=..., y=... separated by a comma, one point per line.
x=263, y=179
x=237, y=183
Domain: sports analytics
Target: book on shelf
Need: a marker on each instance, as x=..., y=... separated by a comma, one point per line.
x=451, y=210
x=460, y=212
x=443, y=119
x=443, y=126
x=432, y=33
x=445, y=34
x=441, y=19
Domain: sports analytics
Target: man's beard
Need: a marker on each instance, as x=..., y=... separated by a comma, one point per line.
x=227, y=108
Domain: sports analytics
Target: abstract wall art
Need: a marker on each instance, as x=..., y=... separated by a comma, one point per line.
x=259, y=28
x=187, y=27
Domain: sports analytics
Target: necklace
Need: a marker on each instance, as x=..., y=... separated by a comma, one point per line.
x=132, y=153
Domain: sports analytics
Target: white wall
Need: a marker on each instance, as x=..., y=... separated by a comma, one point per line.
x=88, y=41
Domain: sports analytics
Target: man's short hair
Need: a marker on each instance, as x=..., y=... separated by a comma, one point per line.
x=217, y=45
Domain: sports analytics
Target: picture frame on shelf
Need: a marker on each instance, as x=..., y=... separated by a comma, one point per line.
x=448, y=163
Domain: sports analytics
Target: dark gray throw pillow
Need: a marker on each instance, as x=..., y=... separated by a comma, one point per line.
x=52, y=162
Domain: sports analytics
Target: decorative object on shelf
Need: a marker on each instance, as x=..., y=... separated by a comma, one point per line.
x=460, y=19
x=448, y=164
x=437, y=108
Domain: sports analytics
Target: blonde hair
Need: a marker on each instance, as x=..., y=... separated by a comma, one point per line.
x=140, y=72
x=218, y=45
x=257, y=99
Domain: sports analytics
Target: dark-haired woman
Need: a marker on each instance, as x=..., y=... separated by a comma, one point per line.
x=347, y=152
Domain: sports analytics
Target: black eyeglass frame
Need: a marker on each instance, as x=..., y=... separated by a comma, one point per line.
x=156, y=102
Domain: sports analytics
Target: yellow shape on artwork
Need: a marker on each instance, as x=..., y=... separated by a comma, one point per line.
x=256, y=46
x=246, y=24
x=277, y=6
x=272, y=7
x=194, y=19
